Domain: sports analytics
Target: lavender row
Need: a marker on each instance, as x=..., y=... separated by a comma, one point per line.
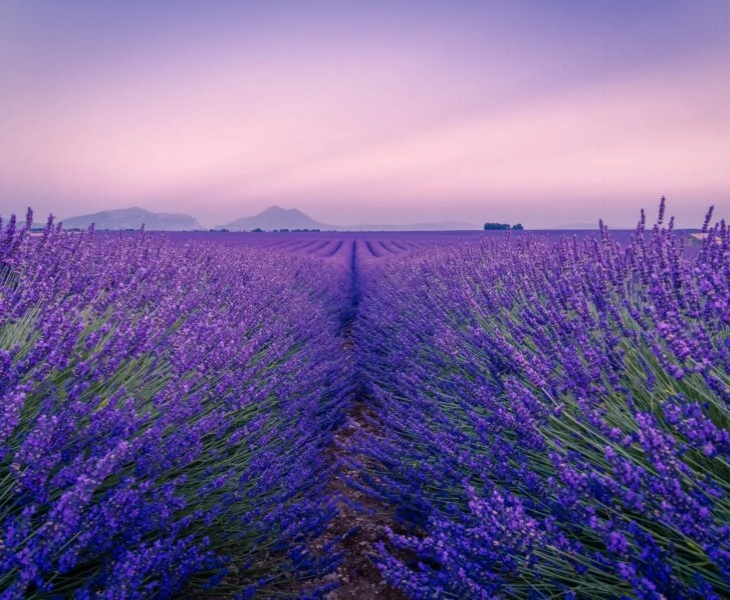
x=165, y=412
x=555, y=417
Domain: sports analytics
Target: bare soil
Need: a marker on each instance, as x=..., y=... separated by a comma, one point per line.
x=361, y=522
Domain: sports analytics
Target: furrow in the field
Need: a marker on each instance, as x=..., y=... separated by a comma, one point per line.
x=344, y=250
x=319, y=247
x=307, y=246
x=371, y=249
x=387, y=247
x=332, y=248
x=288, y=245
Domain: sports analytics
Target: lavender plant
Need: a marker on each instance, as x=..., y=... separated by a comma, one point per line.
x=555, y=416
x=165, y=411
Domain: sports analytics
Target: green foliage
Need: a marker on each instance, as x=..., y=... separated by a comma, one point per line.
x=502, y=226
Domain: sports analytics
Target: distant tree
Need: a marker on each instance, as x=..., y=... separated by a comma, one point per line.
x=502, y=226
x=495, y=226
x=257, y=230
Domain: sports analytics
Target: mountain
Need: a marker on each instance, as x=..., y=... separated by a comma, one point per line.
x=133, y=218
x=276, y=217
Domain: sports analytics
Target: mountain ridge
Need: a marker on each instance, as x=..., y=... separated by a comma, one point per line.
x=133, y=218
x=276, y=217
x=273, y=218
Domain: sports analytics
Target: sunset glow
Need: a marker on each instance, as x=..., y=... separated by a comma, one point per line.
x=543, y=113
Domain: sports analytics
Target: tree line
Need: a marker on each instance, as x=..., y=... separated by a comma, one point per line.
x=493, y=226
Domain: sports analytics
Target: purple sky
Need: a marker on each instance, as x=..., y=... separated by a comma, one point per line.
x=540, y=112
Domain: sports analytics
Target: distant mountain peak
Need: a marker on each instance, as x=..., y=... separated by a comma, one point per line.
x=276, y=217
x=133, y=218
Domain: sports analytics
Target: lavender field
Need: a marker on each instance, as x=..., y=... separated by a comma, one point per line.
x=548, y=414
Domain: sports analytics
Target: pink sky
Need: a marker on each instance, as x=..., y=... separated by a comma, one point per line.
x=392, y=112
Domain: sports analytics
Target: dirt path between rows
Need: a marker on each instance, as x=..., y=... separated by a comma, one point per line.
x=361, y=521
